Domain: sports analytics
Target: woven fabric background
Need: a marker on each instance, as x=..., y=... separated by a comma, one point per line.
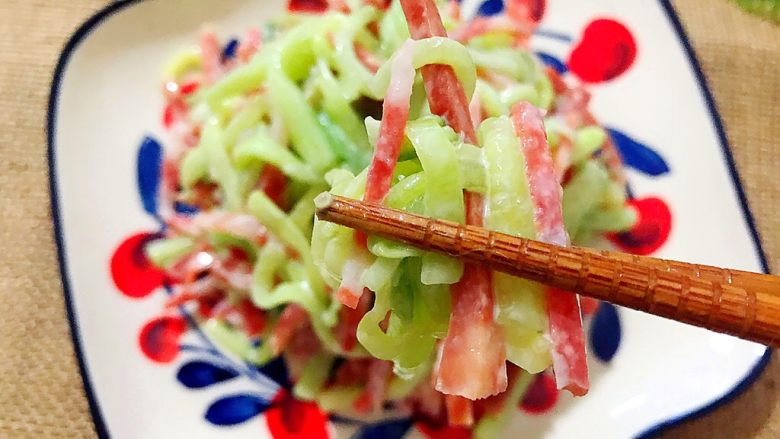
x=41, y=392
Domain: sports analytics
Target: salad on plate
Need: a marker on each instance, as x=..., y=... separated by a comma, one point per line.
x=402, y=103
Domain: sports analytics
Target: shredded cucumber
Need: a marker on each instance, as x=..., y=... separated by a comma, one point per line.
x=443, y=196
x=224, y=240
x=393, y=30
x=166, y=252
x=509, y=209
x=308, y=104
x=491, y=426
x=245, y=119
x=403, y=384
x=285, y=229
x=229, y=339
x=506, y=61
x=308, y=139
x=194, y=167
x=338, y=399
x=583, y=195
x=220, y=167
x=183, y=63
x=313, y=377
x=434, y=50
x=260, y=148
x=353, y=74
x=587, y=141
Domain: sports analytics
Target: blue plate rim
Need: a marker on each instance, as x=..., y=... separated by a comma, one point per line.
x=83, y=31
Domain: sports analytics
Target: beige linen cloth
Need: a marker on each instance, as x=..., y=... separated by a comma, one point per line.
x=41, y=393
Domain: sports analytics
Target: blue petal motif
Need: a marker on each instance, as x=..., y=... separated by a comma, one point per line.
x=395, y=429
x=638, y=155
x=491, y=7
x=148, y=169
x=235, y=409
x=605, y=332
x=185, y=209
x=200, y=374
x=553, y=61
x=229, y=51
x=277, y=371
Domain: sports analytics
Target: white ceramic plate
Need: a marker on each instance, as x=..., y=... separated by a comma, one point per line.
x=105, y=99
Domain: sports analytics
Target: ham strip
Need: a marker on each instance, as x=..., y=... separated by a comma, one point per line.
x=565, y=321
x=474, y=341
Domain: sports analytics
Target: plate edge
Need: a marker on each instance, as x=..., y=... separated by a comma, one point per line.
x=747, y=214
x=51, y=120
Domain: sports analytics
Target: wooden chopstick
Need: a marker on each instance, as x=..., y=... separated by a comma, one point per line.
x=734, y=302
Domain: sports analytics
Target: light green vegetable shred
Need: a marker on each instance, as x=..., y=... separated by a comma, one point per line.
x=269, y=132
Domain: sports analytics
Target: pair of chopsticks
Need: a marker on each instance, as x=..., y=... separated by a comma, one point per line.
x=734, y=302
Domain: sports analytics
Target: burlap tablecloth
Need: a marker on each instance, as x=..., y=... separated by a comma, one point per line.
x=41, y=393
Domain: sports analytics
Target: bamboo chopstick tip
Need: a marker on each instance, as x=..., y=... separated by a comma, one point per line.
x=322, y=203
